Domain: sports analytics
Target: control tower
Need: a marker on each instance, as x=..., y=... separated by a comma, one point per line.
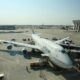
x=76, y=25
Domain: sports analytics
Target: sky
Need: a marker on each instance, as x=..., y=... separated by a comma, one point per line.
x=37, y=12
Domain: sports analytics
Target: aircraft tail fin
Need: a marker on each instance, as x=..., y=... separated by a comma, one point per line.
x=33, y=32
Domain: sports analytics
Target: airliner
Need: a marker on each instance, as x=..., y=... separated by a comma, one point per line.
x=53, y=50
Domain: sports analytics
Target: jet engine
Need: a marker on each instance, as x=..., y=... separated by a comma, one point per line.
x=24, y=51
x=9, y=46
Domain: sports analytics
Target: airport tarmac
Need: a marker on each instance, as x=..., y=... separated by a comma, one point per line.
x=13, y=64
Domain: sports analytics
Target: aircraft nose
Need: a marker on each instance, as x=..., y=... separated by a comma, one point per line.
x=68, y=62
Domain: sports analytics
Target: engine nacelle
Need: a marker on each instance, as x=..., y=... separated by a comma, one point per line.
x=26, y=53
x=9, y=46
x=24, y=50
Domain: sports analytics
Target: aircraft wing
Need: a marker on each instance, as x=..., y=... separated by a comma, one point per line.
x=60, y=41
x=20, y=44
x=73, y=47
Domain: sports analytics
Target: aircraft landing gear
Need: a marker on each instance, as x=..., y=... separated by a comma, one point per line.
x=54, y=67
x=43, y=60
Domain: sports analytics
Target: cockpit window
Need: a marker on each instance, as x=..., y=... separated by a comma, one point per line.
x=63, y=51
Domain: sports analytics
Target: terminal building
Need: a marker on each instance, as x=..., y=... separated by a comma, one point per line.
x=76, y=25
x=7, y=27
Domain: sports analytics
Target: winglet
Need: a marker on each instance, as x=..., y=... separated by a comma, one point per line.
x=45, y=55
x=60, y=41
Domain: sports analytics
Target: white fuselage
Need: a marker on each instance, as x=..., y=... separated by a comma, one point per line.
x=56, y=53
